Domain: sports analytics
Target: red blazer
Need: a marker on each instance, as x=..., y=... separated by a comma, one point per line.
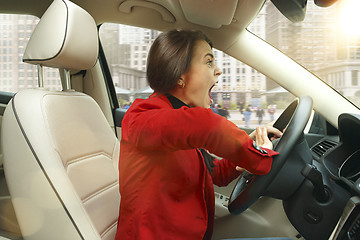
x=166, y=190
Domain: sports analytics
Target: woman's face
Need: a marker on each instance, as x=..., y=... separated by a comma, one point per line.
x=200, y=78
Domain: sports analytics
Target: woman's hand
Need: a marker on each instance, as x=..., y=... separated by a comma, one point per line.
x=240, y=169
x=262, y=139
x=274, y=132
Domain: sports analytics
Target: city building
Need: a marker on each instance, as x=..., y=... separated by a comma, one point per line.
x=126, y=50
x=315, y=40
x=240, y=83
x=15, y=31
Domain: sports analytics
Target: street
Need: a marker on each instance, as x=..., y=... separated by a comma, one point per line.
x=237, y=118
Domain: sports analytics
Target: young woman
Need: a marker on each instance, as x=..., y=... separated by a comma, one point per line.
x=166, y=174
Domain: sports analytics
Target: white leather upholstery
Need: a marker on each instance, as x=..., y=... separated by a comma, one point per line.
x=65, y=37
x=60, y=159
x=60, y=154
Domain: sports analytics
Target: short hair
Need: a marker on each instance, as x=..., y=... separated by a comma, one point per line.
x=170, y=56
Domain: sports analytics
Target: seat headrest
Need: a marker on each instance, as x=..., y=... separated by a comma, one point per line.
x=65, y=37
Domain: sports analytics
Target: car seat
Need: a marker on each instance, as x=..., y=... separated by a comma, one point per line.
x=60, y=153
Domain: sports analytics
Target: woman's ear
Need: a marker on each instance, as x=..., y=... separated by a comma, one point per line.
x=181, y=83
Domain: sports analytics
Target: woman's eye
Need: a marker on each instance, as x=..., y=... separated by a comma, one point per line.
x=209, y=63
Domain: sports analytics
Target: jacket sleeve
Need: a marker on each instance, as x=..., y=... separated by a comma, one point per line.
x=153, y=127
x=223, y=172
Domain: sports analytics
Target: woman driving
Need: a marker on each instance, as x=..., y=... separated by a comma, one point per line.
x=166, y=173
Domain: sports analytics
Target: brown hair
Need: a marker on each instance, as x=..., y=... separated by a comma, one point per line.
x=170, y=56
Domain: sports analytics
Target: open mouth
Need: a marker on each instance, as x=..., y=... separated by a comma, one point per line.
x=211, y=100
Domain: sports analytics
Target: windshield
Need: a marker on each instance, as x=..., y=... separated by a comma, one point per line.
x=326, y=42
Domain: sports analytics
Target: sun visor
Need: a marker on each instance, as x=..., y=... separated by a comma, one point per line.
x=128, y=5
x=210, y=13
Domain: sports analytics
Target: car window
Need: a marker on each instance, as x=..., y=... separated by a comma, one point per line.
x=243, y=95
x=15, y=75
x=328, y=49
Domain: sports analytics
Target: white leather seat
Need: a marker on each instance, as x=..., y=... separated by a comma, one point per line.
x=60, y=154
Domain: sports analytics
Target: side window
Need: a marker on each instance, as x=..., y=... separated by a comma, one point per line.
x=126, y=49
x=242, y=94
x=15, y=31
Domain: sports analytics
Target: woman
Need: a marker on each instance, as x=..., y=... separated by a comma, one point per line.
x=166, y=174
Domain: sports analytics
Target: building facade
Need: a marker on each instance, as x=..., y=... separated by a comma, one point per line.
x=238, y=83
x=312, y=42
x=324, y=49
x=15, y=31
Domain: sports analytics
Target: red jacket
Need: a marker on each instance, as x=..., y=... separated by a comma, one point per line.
x=166, y=190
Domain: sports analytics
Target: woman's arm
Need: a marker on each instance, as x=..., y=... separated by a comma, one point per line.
x=152, y=128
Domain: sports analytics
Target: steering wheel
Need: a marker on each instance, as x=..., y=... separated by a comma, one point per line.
x=250, y=187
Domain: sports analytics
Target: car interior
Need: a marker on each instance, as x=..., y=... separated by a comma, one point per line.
x=60, y=149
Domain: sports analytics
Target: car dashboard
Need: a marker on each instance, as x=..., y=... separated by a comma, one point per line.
x=335, y=172
x=343, y=165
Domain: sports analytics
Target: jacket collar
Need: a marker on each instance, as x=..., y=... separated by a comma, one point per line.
x=175, y=102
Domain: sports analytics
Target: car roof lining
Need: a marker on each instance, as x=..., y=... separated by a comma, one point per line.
x=163, y=15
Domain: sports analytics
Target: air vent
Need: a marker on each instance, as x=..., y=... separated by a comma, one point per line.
x=321, y=148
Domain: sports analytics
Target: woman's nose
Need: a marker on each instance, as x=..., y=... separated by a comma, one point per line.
x=218, y=72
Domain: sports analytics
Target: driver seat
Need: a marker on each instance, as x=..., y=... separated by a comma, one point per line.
x=60, y=153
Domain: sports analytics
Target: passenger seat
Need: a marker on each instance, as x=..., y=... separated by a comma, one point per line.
x=60, y=154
